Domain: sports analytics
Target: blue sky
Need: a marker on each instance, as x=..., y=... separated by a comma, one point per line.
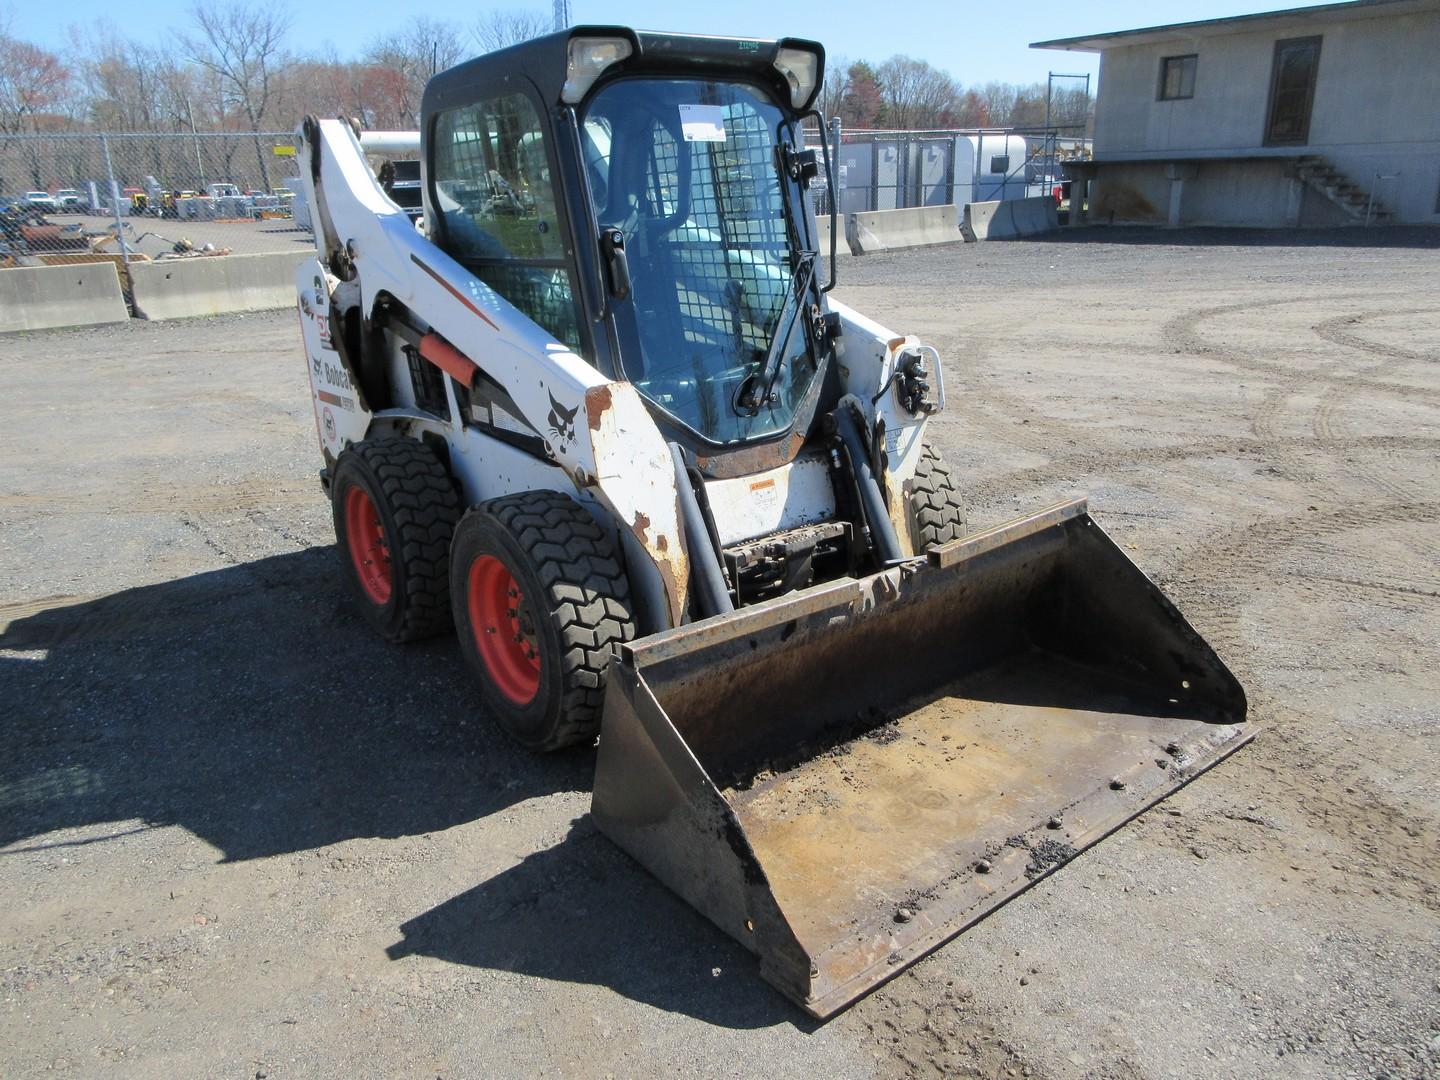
x=975, y=42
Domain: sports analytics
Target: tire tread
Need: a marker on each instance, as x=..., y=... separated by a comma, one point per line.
x=425, y=508
x=937, y=510
x=589, y=596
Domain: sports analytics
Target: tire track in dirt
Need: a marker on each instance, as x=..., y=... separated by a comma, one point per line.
x=1210, y=578
x=996, y=410
x=1326, y=421
x=1264, y=420
x=1070, y=447
x=1329, y=421
x=1291, y=766
x=1120, y=459
x=1364, y=586
x=1182, y=333
x=1253, y=545
x=1002, y=413
x=1335, y=330
x=1330, y=427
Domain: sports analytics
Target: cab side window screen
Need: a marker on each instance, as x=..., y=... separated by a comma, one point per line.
x=494, y=194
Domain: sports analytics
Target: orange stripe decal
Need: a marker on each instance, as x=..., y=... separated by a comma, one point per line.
x=453, y=291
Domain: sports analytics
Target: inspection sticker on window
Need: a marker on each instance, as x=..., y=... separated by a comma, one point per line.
x=703, y=123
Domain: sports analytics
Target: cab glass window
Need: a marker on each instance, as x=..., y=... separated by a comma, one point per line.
x=496, y=201
x=688, y=170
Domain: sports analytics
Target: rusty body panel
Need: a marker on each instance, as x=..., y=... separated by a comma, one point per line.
x=845, y=778
x=635, y=479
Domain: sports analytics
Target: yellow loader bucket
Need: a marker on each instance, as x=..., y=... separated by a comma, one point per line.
x=845, y=778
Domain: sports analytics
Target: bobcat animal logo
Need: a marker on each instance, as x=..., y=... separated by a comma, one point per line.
x=562, y=421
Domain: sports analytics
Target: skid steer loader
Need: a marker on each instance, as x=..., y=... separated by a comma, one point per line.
x=598, y=410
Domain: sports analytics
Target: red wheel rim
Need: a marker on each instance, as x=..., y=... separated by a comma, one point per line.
x=504, y=629
x=365, y=534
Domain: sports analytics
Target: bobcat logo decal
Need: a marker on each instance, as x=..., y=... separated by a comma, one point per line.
x=562, y=422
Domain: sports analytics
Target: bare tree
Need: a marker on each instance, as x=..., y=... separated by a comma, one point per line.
x=1000, y=101
x=33, y=82
x=917, y=95
x=244, y=48
x=499, y=29
x=414, y=53
x=835, y=86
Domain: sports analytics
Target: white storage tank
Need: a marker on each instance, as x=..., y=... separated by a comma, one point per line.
x=989, y=167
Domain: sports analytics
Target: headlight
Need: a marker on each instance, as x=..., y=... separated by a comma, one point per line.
x=589, y=57
x=801, y=67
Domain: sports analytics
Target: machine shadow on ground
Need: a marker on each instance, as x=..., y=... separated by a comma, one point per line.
x=252, y=706
x=582, y=912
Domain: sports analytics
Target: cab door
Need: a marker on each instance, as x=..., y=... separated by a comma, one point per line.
x=497, y=209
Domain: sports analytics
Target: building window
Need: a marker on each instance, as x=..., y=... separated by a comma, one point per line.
x=1000, y=163
x=1177, y=77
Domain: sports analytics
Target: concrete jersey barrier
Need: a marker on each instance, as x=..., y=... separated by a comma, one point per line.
x=822, y=232
x=215, y=285
x=885, y=230
x=49, y=297
x=1010, y=219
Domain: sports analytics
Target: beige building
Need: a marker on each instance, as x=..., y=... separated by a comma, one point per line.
x=1325, y=115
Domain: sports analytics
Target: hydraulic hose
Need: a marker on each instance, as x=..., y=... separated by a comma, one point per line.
x=711, y=593
x=882, y=531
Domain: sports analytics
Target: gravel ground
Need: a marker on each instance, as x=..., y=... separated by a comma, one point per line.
x=239, y=837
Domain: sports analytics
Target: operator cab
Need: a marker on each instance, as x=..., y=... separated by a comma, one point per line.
x=642, y=197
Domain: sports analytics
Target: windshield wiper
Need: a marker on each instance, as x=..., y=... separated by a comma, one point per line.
x=757, y=388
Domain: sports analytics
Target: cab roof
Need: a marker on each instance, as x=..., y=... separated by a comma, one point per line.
x=543, y=61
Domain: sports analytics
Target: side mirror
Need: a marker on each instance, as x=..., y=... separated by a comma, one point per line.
x=612, y=246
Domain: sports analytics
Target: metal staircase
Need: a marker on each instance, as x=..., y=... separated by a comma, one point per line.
x=1360, y=206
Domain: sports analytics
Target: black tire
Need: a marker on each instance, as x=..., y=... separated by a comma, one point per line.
x=573, y=611
x=415, y=501
x=937, y=512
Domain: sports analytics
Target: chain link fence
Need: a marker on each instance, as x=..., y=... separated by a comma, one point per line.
x=146, y=196
x=892, y=170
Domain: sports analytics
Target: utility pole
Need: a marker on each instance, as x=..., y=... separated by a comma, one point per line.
x=199, y=165
x=562, y=14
